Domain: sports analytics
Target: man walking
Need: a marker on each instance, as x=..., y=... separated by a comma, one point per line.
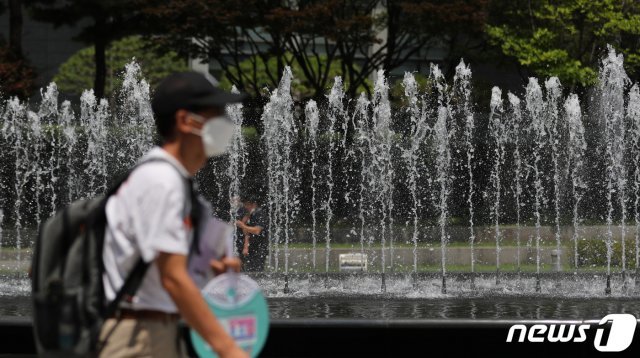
x=151, y=217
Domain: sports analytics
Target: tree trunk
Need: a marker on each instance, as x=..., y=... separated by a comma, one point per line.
x=15, y=26
x=100, y=46
x=393, y=17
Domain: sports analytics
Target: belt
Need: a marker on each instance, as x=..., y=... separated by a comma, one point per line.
x=146, y=315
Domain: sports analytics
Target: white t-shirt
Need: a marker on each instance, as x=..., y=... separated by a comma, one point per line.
x=145, y=217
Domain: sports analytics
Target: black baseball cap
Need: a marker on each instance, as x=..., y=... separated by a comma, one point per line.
x=190, y=90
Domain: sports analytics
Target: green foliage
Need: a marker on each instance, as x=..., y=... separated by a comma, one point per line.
x=250, y=133
x=78, y=72
x=593, y=252
x=537, y=53
x=566, y=38
x=300, y=86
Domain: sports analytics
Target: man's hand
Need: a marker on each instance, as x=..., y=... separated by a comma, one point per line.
x=236, y=352
x=241, y=224
x=226, y=263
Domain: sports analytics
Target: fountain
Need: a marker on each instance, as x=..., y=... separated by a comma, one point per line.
x=497, y=129
x=534, y=109
x=437, y=194
x=514, y=136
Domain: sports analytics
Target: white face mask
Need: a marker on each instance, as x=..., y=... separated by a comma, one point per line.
x=216, y=134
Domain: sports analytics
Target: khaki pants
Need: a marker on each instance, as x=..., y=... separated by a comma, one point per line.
x=140, y=338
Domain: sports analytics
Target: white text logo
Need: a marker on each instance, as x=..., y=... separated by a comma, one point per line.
x=619, y=338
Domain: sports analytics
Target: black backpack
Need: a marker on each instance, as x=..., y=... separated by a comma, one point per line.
x=69, y=305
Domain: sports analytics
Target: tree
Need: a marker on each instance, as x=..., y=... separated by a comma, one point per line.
x=300, y=88
x=16, y=74
x=110, y=20
x=565, y=38
x=361, y=36
x=77, y=73
x=15, y=26
x=226, y=31
x=456, y=26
